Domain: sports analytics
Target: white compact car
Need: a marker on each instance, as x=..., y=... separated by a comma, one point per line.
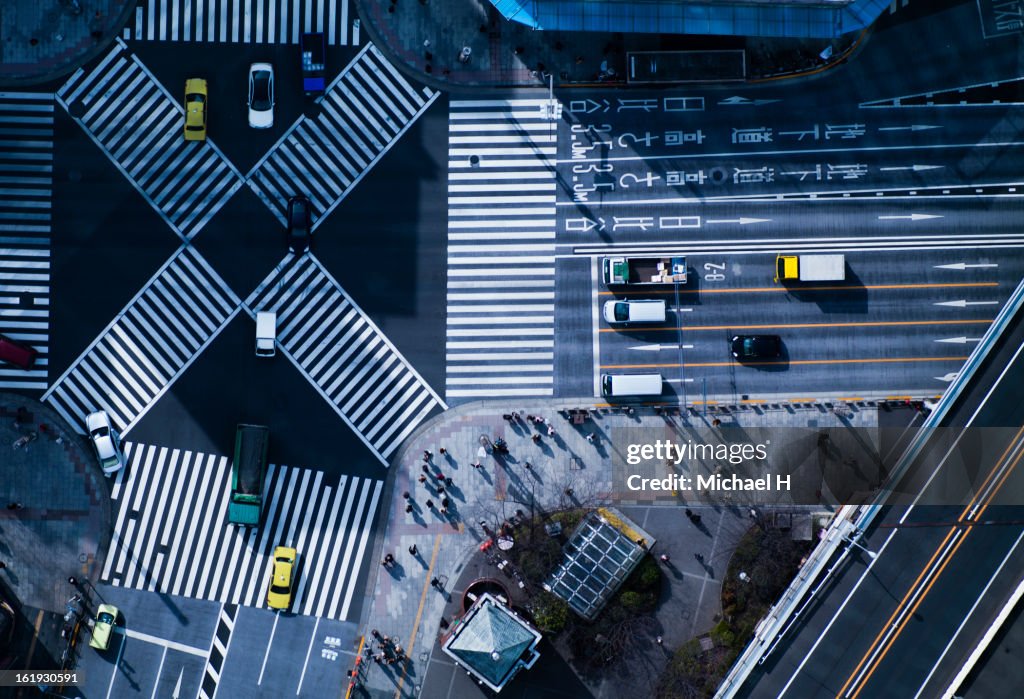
x=261, y=95
x=105, y=441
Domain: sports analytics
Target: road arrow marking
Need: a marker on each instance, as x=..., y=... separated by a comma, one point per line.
x=679, y=380
x=964, y=304
x=960, y=340
x=680, y=309
x=914, y=127
x=655, y=348
x=915, y=168
x=910, y=217
x=739, y=101
x=948, y=377
x=741, y=221
x=963, y=265
x=177, y=688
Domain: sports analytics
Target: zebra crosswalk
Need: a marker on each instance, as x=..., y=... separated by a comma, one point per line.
x=148, y=345
x=138, y=125
x=364, y=112
x=171, y=533
x=367, y=381
x=26, y=187
x=501, y=249
x=244, y=21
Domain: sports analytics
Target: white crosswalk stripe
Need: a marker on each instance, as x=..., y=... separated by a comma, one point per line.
x=501, y=249
x=244, y=21
x=345, y=355
x=26, y=187
x=150, y=343
x=139, y=125
x=364, y=112
x=171, y=533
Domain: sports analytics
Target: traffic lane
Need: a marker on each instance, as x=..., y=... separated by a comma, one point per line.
x=684, y=222
x=856, y=609
x=283, y=654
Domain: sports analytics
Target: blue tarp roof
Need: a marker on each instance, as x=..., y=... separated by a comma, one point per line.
x=782, y=19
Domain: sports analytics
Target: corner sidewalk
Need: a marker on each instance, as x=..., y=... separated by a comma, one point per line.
x=401, y=602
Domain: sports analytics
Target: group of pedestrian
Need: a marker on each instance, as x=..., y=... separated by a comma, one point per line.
x=386, y=650
x=388, y=560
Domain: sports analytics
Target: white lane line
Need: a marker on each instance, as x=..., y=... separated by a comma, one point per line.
x=305, y=664
x=159, y=669
x=173, y=645
x=493, y=393
x=498, y=380
x=266, y=654
x=497, y=356
x=595, y=325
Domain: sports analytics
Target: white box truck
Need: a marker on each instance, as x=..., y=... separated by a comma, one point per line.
x=266, y=333
x=810, y=268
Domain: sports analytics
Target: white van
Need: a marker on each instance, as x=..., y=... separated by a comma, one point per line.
x=648, y=311
x=266, y=333
x=619, y=385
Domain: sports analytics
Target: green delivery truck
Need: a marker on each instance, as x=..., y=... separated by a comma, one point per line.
x=248, y=471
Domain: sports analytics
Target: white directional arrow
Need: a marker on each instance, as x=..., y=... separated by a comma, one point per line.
x=964, y=304
x=656, y=348
x=963, y=265
x=680, y=309
x=679, y=380
x=915, y=127
x=737, y=101
x=915, y=168
x=742, y=221
x=948, y=377
x=177, y=687
x=910, y=217
x=960, y=340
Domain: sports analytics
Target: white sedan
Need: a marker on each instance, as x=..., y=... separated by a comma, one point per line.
x=261, y=95
x=105, y=441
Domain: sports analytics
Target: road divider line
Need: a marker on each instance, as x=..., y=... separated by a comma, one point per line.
x=798, y=362
x=173, y=645
x=803, y=289
x=796, y=326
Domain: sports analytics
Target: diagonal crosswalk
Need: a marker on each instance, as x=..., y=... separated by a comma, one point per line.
x=171, y=533
x=138, y=125
x=364, y=112
x=501, y=249
x=336, y=346
x=148, y=345
x=26, y=189
x=244, y=21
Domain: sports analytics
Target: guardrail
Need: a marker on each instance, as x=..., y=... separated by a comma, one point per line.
x=791, y=606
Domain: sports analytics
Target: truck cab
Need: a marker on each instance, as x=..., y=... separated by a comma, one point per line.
x=248, y=471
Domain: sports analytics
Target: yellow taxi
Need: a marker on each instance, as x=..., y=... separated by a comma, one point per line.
x=279, y=596
x=106, y=620
x=195, y=109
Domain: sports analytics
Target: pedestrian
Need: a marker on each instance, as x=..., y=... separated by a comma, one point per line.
x=591, y=437
x=530, y=418
x=539, y=420
x=507, y=417
x=434, y=582
x=535, y=438
x=440, y=490
x=664, y=558
x=2, y=565
x=442, y=451
x=73, y=580
x=440, y=476
x=445, y=502
x=449, y=482
x=716, y=422
x=406, y=495
x=551, y=431
x=375, y=633
x=569, y=491
x=378, y=658
x=696, y=519
x=658, y=640
x=699, y=557
x=515, y=415
x=477, y=465
x=422, y=478
x=427, y=455
x=413, y=550
x=527, y=465
x=408, y=508
x=426, y=469
x=444, y=509
x=14, y=506
x=430, y=504
x=689, y=513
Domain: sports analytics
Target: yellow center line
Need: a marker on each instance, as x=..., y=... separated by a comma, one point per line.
x=792, y=326
x=419, y=613
x=864, y=360
x=800, y=289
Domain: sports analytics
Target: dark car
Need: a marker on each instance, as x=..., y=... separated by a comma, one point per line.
x=299, y=232
x=746, y=347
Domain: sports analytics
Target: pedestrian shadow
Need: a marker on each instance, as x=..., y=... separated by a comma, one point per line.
x=397, y=570
x=535, y=475
x=486, y=476
x=671, y=567
x=450, y=461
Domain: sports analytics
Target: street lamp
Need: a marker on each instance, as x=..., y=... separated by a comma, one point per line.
x=871, y=554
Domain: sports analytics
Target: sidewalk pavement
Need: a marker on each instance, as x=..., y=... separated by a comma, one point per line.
x=426, y=38
x=401, y=602
x=45, y=39
x=54, y=515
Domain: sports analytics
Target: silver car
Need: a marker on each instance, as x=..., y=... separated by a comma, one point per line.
x=105, y=441
x=261, y=95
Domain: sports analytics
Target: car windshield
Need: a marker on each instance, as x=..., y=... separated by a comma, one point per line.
x=106, y=618
x=196, y=97
x=261, y=90
x=621, y=311
x=279, y=589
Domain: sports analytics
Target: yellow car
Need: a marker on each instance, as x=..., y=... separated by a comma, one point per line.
x=279, y=596
x=106, y=619
x=195, y=109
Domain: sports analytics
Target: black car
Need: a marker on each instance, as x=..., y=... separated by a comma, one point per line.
x=746, y=347
x=299, y=224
